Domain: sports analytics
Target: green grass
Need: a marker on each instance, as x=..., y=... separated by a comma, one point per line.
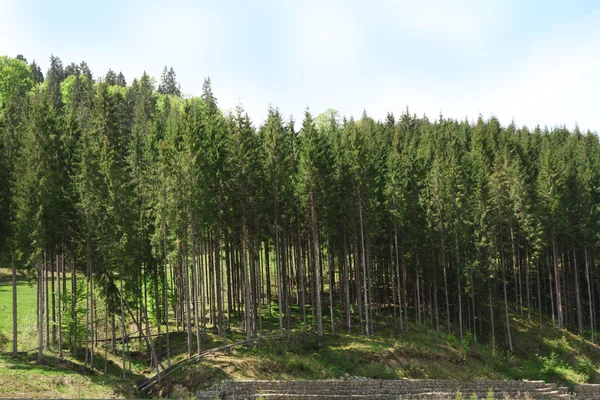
x=26, y=314
x=23, y=376
x=551, y=355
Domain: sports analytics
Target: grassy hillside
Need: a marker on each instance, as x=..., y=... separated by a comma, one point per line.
x=417, y=353
x=26, y=314
x=23, y=376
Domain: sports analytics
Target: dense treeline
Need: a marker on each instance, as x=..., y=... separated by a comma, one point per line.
x=164, y=213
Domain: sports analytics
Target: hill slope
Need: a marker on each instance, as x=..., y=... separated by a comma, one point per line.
x=551, y=355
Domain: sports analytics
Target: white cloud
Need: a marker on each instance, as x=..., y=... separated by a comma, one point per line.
x=558, y=83
x=457, y=24
x=555, y=83
x=461, y=57
x=322, y=34
x=14, y=36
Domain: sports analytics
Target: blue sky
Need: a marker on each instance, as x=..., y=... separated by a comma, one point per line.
x=537, y=62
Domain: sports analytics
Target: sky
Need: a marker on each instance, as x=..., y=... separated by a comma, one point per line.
x=531, y=62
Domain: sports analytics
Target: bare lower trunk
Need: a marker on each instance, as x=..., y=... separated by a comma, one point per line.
x=245, y=271
x=186, y=298
x=218, y=287
x=74, y=306
x=578, y=295
x=508, y=335
x=60, y=294
x=45, y=289
x=106, y=330
x=491, y=312
x=316, y=269
x=398, y=277
x=444, y=267
x=364, y=265
x=539, y=294
x=418, y=293
x=195, y=291
x=587, y=277
x=40, y=289
x=527, y=285
x=557, y=286
x=331, y=286
x=14, y=306
x=123, y=326
x=346, y=285
x=277, y=272
x=165, y=281
x=54, y=266
x=551, y=295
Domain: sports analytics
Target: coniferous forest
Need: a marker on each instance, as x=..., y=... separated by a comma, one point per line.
x=139, y=211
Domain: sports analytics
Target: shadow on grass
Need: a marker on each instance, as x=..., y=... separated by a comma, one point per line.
x=52, y=364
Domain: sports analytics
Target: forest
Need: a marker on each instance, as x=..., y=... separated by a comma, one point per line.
x=137, y=210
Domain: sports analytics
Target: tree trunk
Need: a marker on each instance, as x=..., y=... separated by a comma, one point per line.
x=195, y=290
x=346, y=284
x=45, y=289
x=218, y=288
x=539, y=293
x=551, y=294
x=40, y=289
x=74, y=304
x=508, y=335
x=331, y=285
x=268, y=282
x=460, y=323
x=589, y=286
x=54, y=265
x=364, y=265
x=186, y=298
x=418, y=291
x=245, y=271
x=557, y=285
x=278, y=270
x=60, y=294
x=528, y=293
x=578, y=295
x=14, y=305
x=300, y=271
x=316, y=268
x=398, y=278
x=105, y=329
x=473, y=303
x=503, y=266
x=491, y=312
x=87, y=301
x=445, y=267
x=123, y=325
x=165, y=280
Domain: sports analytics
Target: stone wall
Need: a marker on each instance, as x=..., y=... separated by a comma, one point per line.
x=363, y=388
x=587, y=391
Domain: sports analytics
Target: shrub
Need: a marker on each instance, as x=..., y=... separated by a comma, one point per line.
x=3, y=342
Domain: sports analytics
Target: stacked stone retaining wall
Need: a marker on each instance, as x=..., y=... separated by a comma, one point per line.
x=363, y=388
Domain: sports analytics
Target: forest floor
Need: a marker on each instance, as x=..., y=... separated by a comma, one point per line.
x=418, y=352
x=549, y=355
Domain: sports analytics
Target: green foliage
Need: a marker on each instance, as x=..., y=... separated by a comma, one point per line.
x=437, y=225
x=73, y=321
x=15, y=79
x=67, y=87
